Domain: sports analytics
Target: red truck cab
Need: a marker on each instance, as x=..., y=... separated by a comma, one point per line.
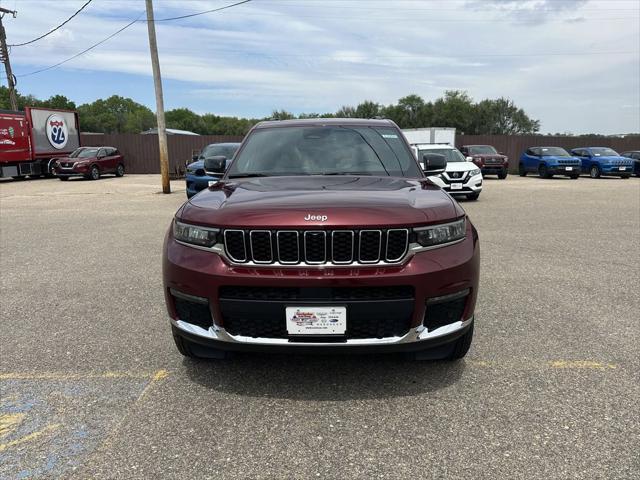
x=30, y=141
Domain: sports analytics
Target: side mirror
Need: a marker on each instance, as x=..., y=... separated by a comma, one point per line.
x=434, y=163
x=501, y=153
x=194, y=158
x=215, y=165
x=469, y=159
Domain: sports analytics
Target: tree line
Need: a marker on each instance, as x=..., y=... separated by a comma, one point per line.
x=455, y=108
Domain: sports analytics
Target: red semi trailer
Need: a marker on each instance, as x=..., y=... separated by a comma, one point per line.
x=30, y=141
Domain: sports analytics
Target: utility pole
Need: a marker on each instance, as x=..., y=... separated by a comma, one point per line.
x=4, y=58
x=157, y=81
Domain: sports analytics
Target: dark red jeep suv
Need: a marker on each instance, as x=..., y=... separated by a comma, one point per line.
x=324, y=235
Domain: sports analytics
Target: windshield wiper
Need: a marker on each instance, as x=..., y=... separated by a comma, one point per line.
x=248, y=175
x=346, y=173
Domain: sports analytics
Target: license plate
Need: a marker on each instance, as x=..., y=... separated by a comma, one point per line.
x=569, y=169
x=623, y=168
x=316, y=320
x=456, y=186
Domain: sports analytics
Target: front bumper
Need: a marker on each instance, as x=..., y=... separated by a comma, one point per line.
x=494, y=169
x=469, y=185
x=569, y=170
x=615, y=170
x=195, y=183
x=71, y=172
x=416, y=339
x=431, y=274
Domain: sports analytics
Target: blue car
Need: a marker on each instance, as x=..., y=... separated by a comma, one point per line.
x=549, y=161
x=196, y=177
x=598, y=161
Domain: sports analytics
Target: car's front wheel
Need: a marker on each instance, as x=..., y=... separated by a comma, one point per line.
x=543, y=171
x=594, y=172
x=64, y=179
x=502, y=175
x=521, y=170
x=120, y=171
x=473, y=196
x=94, y=173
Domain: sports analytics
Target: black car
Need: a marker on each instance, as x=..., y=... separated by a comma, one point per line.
x=635, y=156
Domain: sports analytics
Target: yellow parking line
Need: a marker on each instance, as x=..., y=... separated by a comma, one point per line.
x=588, y=364
x=31, y=436
x=9, y=422
x=73, y=376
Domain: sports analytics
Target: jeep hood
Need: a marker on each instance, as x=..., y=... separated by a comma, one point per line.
x=346, y=201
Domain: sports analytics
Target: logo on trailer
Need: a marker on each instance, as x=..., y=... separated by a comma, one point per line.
x=57, y=132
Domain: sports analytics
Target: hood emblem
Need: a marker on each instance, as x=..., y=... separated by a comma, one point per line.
x=319, y=218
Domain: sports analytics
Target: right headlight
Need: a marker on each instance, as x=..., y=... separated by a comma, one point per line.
x=474, y=172
x=195, y=235
x=441, y=234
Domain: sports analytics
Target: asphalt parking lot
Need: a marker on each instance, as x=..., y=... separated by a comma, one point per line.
x=92, y=386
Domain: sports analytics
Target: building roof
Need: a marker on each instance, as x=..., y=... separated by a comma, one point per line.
x=170, y=131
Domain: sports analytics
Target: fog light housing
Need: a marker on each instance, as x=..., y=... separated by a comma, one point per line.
x=445, y=309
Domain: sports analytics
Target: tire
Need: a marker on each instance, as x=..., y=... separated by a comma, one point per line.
x=502, y=175
x=94, y=173
x=19, y=178
x=574, y=177
x=521, y=171
x=624, y=177
x=543, y=171
x=473, y=196
x=462, y=345
x=120, y=170
x=63, y=179
x=594, y=171
x=195, y=351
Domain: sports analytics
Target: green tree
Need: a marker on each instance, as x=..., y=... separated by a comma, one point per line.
x=184, y=119
x=368, y=109
x=115, y=115
x=502, y=117
x=282, y=115
x=58, y=101
x=455, y=109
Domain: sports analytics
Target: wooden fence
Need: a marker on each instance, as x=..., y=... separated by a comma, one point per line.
x=141, y=151
x=513, y=145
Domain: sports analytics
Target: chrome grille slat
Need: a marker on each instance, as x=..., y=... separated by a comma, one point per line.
x=316, y=247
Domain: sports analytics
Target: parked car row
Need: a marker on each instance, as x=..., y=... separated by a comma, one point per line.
x=595, y=161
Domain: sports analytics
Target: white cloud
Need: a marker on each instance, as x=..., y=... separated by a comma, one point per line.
x=321, y=55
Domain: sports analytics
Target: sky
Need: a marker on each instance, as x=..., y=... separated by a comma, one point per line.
x=572, y=64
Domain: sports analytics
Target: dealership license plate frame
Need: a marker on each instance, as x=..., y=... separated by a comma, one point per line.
x=456, y=186
x=316, y=320
x=568, y=169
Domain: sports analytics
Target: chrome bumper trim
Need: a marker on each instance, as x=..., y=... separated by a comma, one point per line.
x=417, y=334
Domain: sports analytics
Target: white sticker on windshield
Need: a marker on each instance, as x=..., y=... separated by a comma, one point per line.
x=389, y=135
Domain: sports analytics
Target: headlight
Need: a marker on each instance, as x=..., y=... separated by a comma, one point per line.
x=475, y=171
x=440, y=234
x=201, y=236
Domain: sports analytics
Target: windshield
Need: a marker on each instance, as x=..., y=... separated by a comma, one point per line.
x=554, y=152
x=76, y=152
x=450, y=154
x=216, y=149
x=482, y=150
x=604, y=152
x=85, y=153
x=325, y=150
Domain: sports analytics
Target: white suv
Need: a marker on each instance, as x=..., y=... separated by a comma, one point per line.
x=461, y=177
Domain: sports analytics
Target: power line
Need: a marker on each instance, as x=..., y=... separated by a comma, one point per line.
x=52, y=30
x=84, y=51
x=137, y=19
x=201, y=13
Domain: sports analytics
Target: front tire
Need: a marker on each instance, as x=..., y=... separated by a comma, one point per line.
x=94, y=173
x=594, y=172
x=574, y=177
x=624, y=177
x=502, y=175
x=462, y=345
x=521, y=171
x=63, y=179
x=120, y=170
x=473, y=196
x=543, y=171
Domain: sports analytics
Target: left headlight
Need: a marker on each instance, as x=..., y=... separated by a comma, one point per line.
x=200, y=236
x=441, y=234
x=474, y=172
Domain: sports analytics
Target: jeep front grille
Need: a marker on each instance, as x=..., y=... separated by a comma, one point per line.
x=316, y=247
